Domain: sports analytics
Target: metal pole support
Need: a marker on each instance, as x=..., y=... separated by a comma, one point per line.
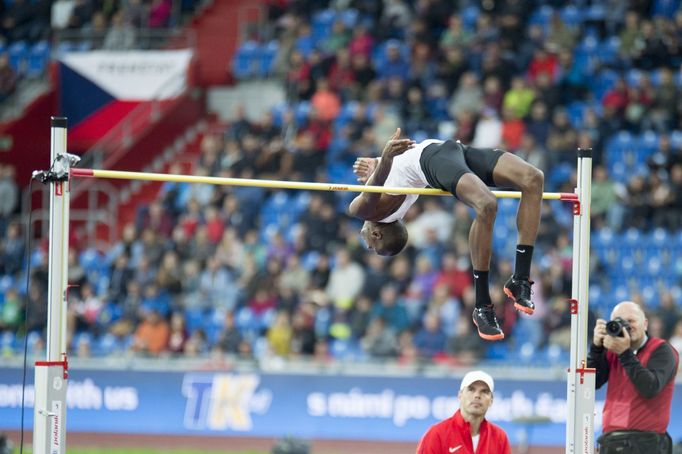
x=581, y=380
x=51, y=376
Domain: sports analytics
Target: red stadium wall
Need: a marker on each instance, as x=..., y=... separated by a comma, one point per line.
x=25, y=142
x=218, y=31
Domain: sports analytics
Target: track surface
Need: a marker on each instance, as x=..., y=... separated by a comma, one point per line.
x=162, y=442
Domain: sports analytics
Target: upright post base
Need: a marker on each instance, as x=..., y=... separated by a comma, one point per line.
x=49, y=417
x=580, y=391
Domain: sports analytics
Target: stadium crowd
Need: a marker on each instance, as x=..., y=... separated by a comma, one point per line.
x=260, y=273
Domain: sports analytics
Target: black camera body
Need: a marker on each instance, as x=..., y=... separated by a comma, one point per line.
x=615, y=327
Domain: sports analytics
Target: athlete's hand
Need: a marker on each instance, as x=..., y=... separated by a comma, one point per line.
x=396, y=146
x=363, y=168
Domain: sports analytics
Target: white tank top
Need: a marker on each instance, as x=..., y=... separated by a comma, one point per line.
x=406, y=172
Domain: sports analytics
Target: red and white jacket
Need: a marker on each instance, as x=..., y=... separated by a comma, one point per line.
x=453, y=436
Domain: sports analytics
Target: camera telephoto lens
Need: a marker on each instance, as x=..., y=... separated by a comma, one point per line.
x=615, y=327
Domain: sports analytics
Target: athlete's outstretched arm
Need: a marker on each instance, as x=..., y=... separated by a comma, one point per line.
x=364, y=205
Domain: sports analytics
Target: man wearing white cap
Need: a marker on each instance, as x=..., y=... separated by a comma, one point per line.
x=467, y=431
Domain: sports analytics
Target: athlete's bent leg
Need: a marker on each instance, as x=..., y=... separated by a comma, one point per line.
x=474, y=193
x=512, y=171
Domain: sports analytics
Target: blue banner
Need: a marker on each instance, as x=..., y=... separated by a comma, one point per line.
x=307, y=406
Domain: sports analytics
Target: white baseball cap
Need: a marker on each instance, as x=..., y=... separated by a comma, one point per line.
x=477, y=375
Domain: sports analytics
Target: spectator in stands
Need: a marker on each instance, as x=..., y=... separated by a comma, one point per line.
x=152, y=334
x=12, y=249
x=9, y=193
x=640, y=371
x=325, y=101
x=135, y=13
x=177, y=338
x=25, y=21
x=345, y=280
x=337, y=40
x=11, y=311
x=121, y=34
x=216, y=285
x=606, y=208
x=159, y=14
x=465, y=345
x=230, y=337
x=380, y=341
x=8, y=80
x=468, y=427
x=430, y=340
x=674, y=208
x=676, y=338
x=95, y=30
x=468, y=96
x=562, y=140
x=279, y=335
x=488, y=133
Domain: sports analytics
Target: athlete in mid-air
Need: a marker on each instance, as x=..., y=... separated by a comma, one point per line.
x=467, y=173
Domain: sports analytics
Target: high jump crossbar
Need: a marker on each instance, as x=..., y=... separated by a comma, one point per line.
x=277, y=184
x=51, y=375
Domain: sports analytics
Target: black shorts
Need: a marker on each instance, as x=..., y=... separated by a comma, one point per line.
x=445, y=163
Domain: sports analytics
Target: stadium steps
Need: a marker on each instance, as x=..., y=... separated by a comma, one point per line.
x=218, y=31
x=184, y=150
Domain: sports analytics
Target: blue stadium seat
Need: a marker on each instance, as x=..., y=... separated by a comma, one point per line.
x=595, y=12
x=676, y=139
x=634, y=77
x=105, y=345
x=575, y=111
x=195, y=318
x=278, y=111
x=18, y=56
x=571, y=15
x=65, y=47
x=305, y=45
x=8, y=342
x=244, y=63
x=349, y=17
x=81, y=337
x=497, y=351
x=554, y=354
x=666, y=8
x=602, y=83
x=321, y=24
x=541, y=16
x=301, y=112
x=6, y=282
x=469, y=17
x=608, y=50
x=647, y=144
x=267, y=55
x=38, y=58
x=310, y=260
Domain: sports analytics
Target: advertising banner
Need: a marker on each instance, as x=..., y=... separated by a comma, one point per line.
x=307, y=406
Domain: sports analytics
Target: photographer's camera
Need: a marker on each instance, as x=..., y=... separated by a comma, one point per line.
x=615, y=327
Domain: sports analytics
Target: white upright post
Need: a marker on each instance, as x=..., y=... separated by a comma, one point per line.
x=49, y=416
x=581, y=380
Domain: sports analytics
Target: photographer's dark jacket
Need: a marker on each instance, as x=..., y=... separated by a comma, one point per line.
x=640, y=388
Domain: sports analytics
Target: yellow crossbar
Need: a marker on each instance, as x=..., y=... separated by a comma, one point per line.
x=147, y=176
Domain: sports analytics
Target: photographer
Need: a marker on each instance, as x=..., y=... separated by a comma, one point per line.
x=641, y=375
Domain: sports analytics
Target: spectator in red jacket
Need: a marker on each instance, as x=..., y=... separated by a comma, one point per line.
x=467, y=431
